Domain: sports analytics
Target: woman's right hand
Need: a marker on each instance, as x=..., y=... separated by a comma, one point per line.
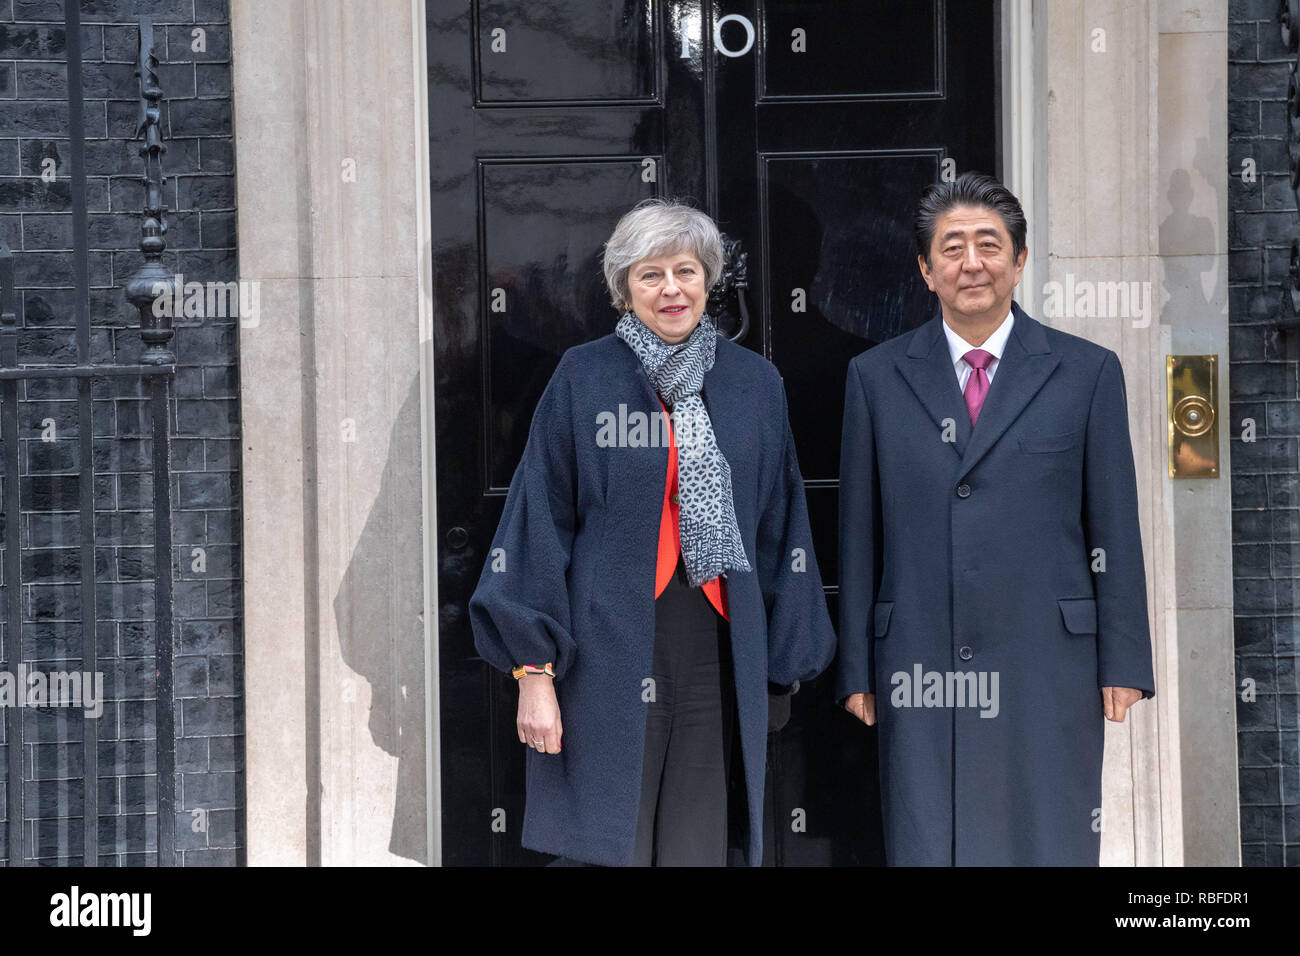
x=538, y=721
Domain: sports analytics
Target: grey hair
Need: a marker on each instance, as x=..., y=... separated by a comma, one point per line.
x=968, y=189
x=657, y=227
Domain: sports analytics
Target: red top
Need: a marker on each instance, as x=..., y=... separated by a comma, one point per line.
x=670, y=536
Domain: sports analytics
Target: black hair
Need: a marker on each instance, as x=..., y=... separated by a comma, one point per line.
x=968, y=189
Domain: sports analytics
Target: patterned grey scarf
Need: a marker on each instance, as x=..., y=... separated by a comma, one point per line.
x=710, y=537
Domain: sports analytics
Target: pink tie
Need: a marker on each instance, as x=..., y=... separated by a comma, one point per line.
x=977, y=386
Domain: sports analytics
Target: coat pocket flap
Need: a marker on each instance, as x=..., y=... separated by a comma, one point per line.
x=1047, y=443
x=1079, y=614
x=883, y=611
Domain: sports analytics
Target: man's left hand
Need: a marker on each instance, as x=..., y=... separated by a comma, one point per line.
x=1117, y=700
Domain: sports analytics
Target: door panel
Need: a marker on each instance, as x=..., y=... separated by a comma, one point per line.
x=832, y=220
x=865, y=48
x=554, y=50
x=808, y=133
x=544, y=223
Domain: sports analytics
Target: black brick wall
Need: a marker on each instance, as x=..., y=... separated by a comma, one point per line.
x=1262, y=355
x=36, y=222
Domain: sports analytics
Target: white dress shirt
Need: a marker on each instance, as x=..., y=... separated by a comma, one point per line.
x=994, y=345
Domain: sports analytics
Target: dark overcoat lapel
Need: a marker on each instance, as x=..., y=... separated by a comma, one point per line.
x=1025, y=365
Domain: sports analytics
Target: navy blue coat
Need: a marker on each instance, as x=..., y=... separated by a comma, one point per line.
x=975, y=556
x=580, y=535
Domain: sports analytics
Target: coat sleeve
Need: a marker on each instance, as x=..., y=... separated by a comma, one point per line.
x=520, y=610
x=800, y=639
x=1111, y=523
x=860, y=540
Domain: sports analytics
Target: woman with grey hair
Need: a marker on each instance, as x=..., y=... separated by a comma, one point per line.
x=652, y=577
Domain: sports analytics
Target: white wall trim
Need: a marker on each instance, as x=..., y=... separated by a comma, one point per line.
x=428, y=464
x=336, y=600
x=1021, y=150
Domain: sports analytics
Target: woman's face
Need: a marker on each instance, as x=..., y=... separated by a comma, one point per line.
x=668, y=294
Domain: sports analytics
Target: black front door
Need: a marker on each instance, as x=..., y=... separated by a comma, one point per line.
x=807, y=128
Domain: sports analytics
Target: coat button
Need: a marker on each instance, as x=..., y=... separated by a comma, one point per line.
x=965, y=653
x=963, y=490
x=673, y=497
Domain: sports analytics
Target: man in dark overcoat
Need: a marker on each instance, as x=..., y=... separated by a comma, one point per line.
x=993, y=601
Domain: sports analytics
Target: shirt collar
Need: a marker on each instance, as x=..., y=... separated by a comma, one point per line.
x=994, y=344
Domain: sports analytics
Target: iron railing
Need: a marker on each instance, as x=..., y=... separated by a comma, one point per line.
x=155, y=371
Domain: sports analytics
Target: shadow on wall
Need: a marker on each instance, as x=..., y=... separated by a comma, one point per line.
x=377, y=611
x=1181, y=231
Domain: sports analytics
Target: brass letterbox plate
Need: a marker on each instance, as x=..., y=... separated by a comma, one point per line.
x=1192, y=407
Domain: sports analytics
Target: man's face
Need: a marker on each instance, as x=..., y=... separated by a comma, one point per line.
x=972, y=269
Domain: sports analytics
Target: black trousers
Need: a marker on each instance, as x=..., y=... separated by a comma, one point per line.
x=682, y=819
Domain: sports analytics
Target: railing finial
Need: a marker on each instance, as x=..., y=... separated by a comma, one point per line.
x=151, y=281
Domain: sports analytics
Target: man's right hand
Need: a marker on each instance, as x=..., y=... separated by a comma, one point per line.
x=863, y=707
